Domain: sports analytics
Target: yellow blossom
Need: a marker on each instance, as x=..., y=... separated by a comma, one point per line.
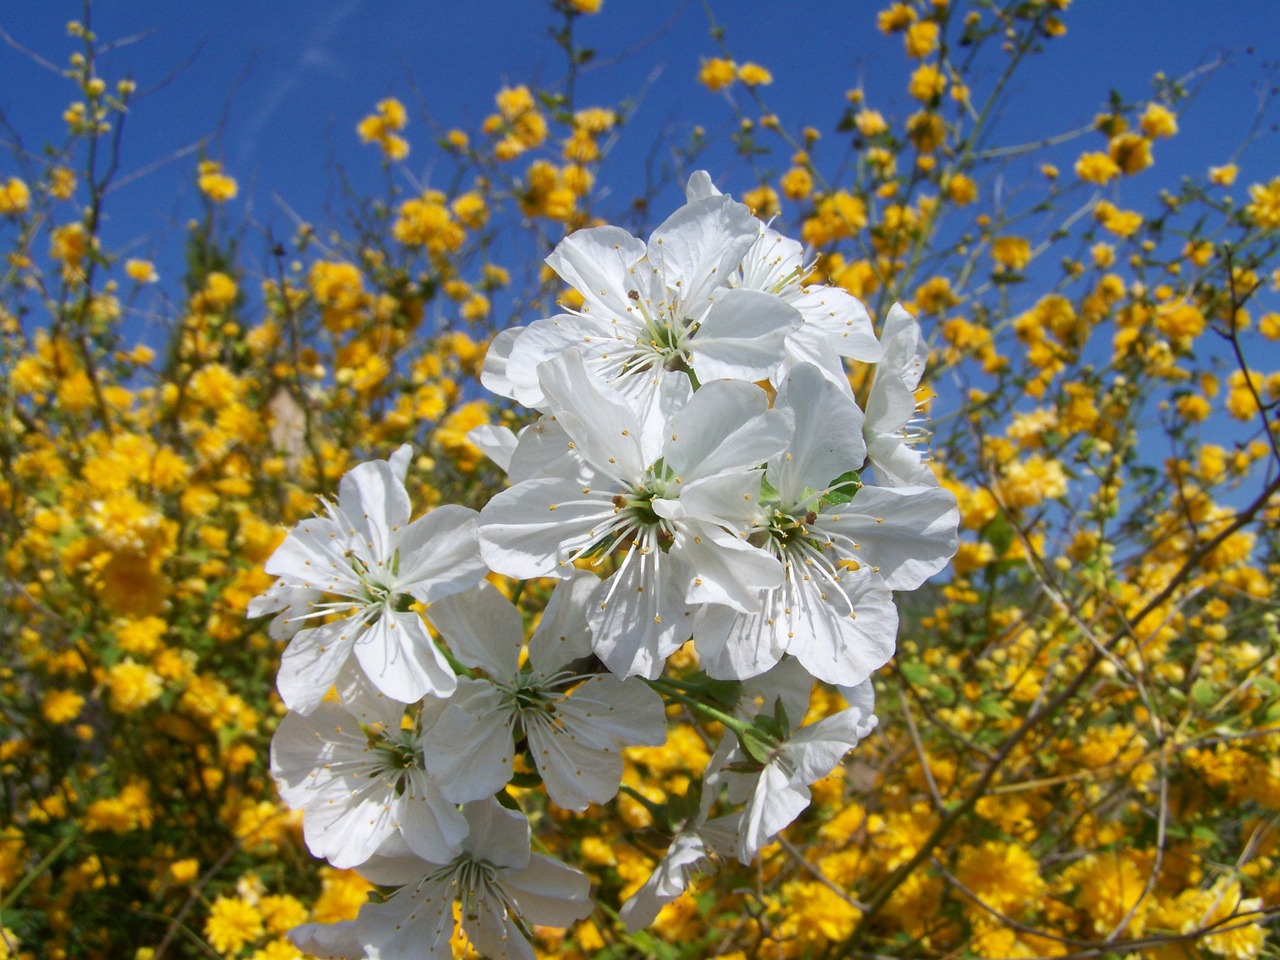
x=754, y=75
x=61, y=706
x=1130, y=152
x=215, y=184
x=14, y=197
x=927, y=83
x=232, y=923
x=1158, y=121
x=141, y=271
x=133, y=686
x=870, y=123
x=1264, y=204
x=1011, y=253
x=1225, y=175
x=717, y=73
x=921, y=39
x=1097, y=168
x=896, y=17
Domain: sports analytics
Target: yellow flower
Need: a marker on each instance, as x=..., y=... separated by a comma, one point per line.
x=927, y=83
x=961, y=190
x=232, y=923
x=141, y=271
x=1096, y=167
x=763, y=201
x=14, y=197
x=215, y=184
x=61, y=706
x=133, y=686
x=1011, y=253
x=380, y=127
x=1158, y=121
x=716, y=73
x=895, y=18
x=1004, y=876
x=586, y=6
x=1225, y=175
x=870, y=123
x=754, y=75
x=921, y=39
x=1264, y=204
x=69, y=244
x=1130, y=152
x=62, y=183
x=184, y=871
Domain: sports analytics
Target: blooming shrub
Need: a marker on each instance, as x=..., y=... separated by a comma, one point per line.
x=618, y=615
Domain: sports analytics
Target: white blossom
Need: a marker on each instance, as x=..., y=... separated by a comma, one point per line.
x=366, y=561
x=663, y=489
x=576, y=726
x=359, y=777
x=501, y=886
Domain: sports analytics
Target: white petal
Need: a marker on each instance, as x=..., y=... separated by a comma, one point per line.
x=597, y=263
x=617, y=712
x=483, y=629
x=638, y=616
x=311, y=662
x=530, y=530
x=575, y=773
x=700, y=187
x=835, y=643
x=471, y=749
x=498, y=835
x=439, y=554
x=665, y=884
x=496, y=442
x=776, y=802
x=698, y=247
x=373, y=499
x=493, y=376
x=742, y=336
x=725, y=569
x=432, y=826
x=562, y=635
x=827, y=441
x=597, y=418
x=725, y=426
x=905, y=534
x=399, y=657
x=328, y=941
x=549, y=893
x=414, y=923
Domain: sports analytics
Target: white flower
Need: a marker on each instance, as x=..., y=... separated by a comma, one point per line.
x=831, y=611
x=501, y=886
x=891, y=427
x=576, y=726
x=698, y=843
x=372, y=562
x=779, y=791
x=358, y=777
x=656, y=492
x=650, y=309
x=834, y=324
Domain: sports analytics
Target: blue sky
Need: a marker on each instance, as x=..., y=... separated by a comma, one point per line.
x=275, y=89
x=292, y=77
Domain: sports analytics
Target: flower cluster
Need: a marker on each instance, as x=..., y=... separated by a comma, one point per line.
x=696, y=474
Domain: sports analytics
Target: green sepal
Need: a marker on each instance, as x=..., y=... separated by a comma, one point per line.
x=842, y=489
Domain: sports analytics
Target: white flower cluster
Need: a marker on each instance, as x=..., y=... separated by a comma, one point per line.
x=697, y=473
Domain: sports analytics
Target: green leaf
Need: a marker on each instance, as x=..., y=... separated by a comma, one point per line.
x=917, y=674
x=992, y=708
x=1204, y=693
x=843, y=488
